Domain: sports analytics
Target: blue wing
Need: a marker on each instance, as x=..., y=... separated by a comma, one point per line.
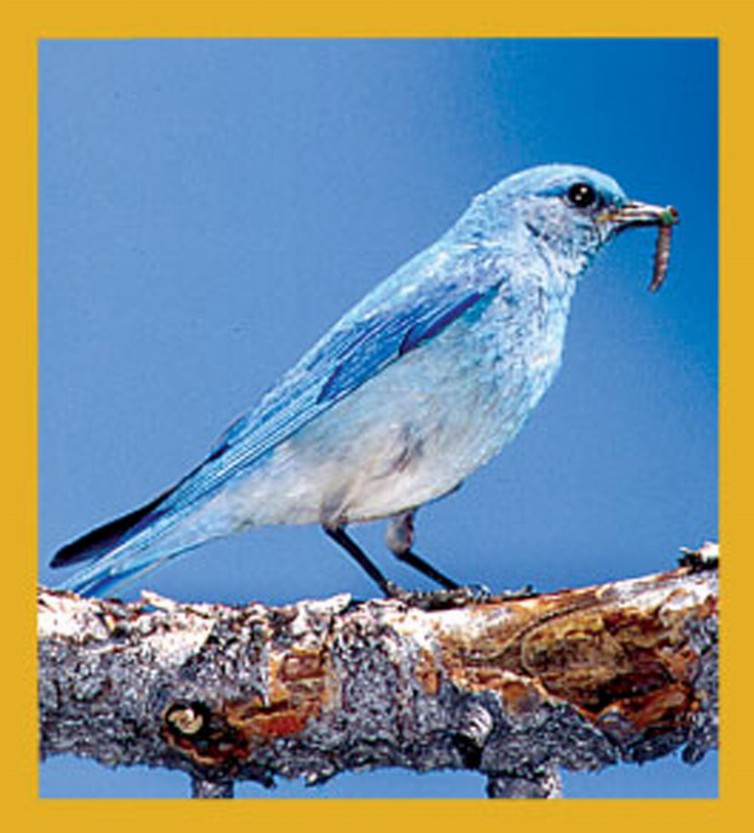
x=357, y=348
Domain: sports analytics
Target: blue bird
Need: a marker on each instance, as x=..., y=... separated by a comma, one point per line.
x=418, y=385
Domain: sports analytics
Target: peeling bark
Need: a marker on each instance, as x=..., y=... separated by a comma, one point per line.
x=516, y=689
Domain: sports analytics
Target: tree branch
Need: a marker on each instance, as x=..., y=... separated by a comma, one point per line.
x=516, y=689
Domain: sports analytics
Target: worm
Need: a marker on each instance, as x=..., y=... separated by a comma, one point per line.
x=662, y=248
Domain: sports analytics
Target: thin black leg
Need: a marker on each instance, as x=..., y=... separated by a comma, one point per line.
x=340, y=536
x=418, y=563
x=399, y=536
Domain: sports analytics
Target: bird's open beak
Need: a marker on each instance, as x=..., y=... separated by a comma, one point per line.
x=640, y=214
x=633, y=214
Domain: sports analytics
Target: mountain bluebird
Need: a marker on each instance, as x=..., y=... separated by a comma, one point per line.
x=418, y=385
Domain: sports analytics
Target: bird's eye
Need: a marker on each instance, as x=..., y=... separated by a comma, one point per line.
x=581, y=195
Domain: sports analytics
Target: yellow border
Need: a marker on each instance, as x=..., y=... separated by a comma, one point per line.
x=22, y=24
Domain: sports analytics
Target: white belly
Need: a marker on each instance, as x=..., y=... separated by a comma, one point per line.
x=392, y=445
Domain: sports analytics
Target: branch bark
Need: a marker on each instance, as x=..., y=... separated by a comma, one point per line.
x=516, y=689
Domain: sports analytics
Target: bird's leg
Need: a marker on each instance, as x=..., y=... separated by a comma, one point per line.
x=339, y=535
x=399, y=537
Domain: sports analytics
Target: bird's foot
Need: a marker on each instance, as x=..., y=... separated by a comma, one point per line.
x=525, y=592
x=455, y=597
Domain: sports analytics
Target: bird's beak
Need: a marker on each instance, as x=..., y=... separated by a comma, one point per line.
x=633, y=214
x=640, y=214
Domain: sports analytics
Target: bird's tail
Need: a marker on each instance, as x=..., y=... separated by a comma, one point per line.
x=127, y=547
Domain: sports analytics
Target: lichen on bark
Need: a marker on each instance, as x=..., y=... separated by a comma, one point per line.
x=515, y=689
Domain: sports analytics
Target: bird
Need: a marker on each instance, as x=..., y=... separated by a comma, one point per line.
x=419, y=384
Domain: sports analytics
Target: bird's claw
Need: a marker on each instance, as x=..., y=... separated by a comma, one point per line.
x=394, y=591
x=455, y=597
x=525, y=592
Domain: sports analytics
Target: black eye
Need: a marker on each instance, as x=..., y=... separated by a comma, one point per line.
x=581, y=195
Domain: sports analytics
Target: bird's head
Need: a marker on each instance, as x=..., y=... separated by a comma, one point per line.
x=571, y=209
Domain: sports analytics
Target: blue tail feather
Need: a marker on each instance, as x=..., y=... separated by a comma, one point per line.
x=107, y=537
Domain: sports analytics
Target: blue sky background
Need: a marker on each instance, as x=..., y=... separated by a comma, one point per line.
x=209, y=208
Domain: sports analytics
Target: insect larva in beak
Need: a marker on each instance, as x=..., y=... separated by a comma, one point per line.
x=662, y=256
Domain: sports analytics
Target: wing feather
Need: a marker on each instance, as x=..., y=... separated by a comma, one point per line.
x=373, y=335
